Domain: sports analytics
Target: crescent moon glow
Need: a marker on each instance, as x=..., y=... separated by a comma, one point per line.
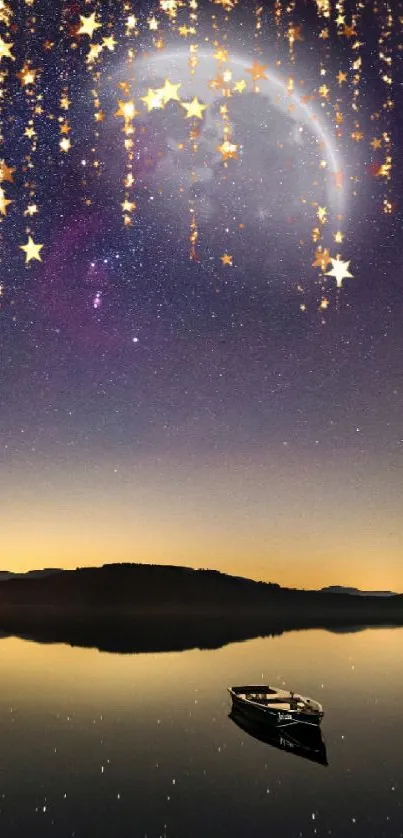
x=145, y=66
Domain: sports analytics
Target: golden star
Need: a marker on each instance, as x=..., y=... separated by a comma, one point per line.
x=226, y=259
x=348, y=31
x=4, y=202
x=322, y=215
x=128, y=206
x=228, y=150
x=153, y=99
x=127, y=110
x=88, y=25
x=339, y=270
x=27, y=76
x=341, y=77
x=257, y=71
x=170, y=92
x=131, y=23
x=322, y=259
x=194, y=108
x=240, y=86
x=109, y=43
x=29, y=132
x=65, y=128
x=31, y=210
x=5, y=50
x=6, y=172
x=376, y=144
x=99, y=116
x=31, y=250
x=222, y=55
x=94, y=53
x=65, y=144
x=338, y=237
x=153, y=24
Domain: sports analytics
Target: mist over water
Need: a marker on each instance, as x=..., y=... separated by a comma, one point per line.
x=101, y=744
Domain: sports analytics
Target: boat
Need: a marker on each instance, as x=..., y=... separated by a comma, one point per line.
x=305, y=742
x=280, y=708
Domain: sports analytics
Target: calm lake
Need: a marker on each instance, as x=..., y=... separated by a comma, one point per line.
x=96, y=744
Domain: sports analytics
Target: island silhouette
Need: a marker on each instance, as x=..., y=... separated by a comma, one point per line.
x=150, y=608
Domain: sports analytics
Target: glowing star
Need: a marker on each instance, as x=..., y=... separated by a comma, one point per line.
x=153, y=24
x=88, y=25
x=131, y=23
x=348, y=31
x=4, y=202
x=194, y=109
x=5, y=50
x=375, y=143
x=94, y=53
x=228, y=150
x=338, y=237
x=226, y=259
x=257, y=71
x=153, y=100
x=65, y=144
x=31, y=250
x=240, y=86
x=322, y=259
x=341, y=77
x=109, y=43
x=32, y=209
x=127, y=110
x=222, y=55
x=322, y=215
x=170, y=92
x=339, y=271
x=128, y=206
x=27, y=76
x=6, y=172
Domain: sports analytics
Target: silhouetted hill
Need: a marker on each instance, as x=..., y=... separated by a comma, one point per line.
x=31, y=574
x=135, y=607
x=138, y=588
x=341, y=589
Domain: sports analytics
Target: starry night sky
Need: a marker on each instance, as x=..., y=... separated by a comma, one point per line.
x=159, y=409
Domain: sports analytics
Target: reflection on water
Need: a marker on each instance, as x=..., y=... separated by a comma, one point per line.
x=300, y=741
x=97, y=744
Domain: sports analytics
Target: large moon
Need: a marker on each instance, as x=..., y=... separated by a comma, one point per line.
x=286, y=157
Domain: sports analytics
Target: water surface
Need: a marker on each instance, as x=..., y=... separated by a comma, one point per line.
x=98, y=744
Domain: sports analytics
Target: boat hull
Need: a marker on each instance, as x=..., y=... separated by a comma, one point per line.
x=276, y=718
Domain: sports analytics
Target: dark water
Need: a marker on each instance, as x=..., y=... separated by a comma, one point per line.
x=96, y=744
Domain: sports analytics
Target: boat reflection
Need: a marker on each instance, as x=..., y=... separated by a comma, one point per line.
x=307, y=743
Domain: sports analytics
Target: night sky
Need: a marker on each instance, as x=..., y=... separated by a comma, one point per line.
x=179, y=384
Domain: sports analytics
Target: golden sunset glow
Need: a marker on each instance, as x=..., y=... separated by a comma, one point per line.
x=276, y=520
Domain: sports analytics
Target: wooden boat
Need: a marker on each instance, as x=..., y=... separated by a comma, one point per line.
x=302, y=741
x=281, y=708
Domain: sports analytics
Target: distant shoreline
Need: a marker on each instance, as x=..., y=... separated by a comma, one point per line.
x=160, y=608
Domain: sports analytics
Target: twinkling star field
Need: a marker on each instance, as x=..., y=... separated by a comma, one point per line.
x=200, y=304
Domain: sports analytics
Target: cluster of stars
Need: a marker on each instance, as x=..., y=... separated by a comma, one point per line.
x=93, y=34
